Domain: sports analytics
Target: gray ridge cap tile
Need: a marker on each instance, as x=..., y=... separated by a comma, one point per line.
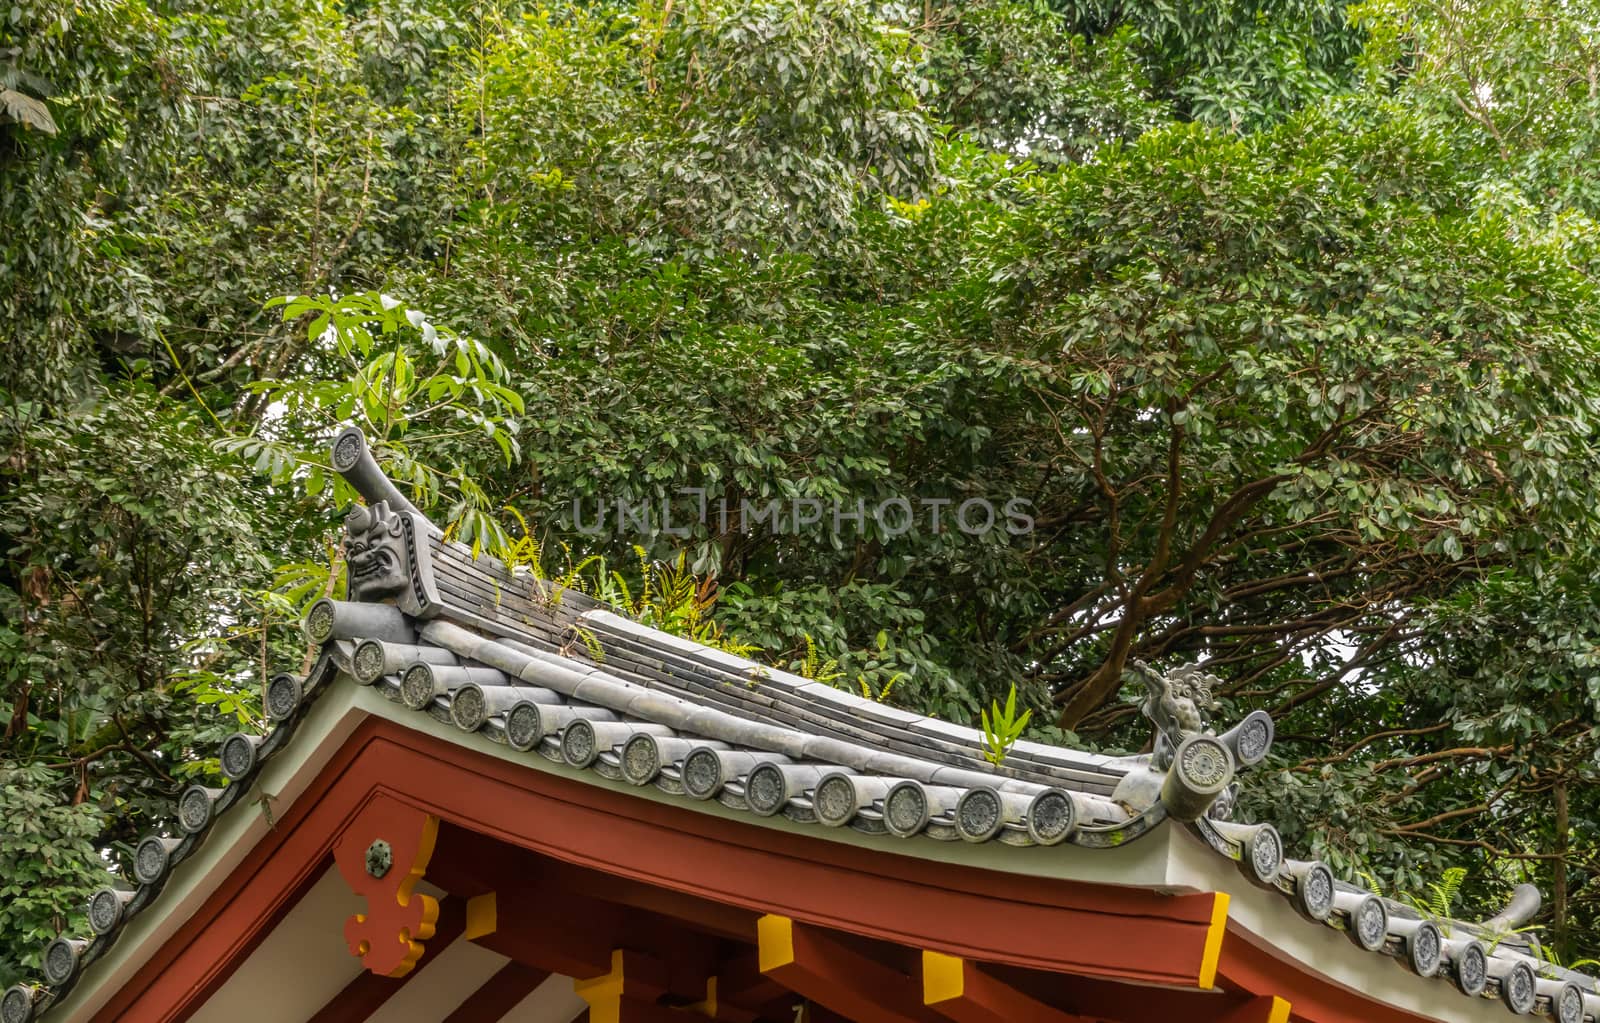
x=604, y=692
x=955, y=778
x=824, y=769
x=946, y=729
x=608, y=623
x=889, y=715
x=778, y=678
x=1031, y=752
x=892, y=765
x=706, y=721
x=825, y=693
x=828, y=749
x=607, y=690
x=654, y=703
x=1065, y=754
x=860, y=713
x=597, y=619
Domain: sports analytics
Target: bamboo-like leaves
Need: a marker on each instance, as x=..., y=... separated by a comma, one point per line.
x=1002, y=727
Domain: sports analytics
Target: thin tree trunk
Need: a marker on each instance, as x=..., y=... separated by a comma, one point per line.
x=1558, y=884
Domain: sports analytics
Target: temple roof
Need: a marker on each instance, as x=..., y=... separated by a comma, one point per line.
x=551, y=673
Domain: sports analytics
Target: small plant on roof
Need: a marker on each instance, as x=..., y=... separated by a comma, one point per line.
x=1555, y=967
x=880, y=657
x=882, y=694
x=816, y=667
x=670, y=596
x=1441, y=895
x=1437, y=905
x=1002, y=727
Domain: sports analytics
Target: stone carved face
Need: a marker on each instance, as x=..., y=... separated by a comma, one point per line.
x=375, y=550
x=1189, y=687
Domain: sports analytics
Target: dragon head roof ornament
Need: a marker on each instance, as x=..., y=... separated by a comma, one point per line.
x=1176, y=704
x=1191, y=768
x=1189, y=773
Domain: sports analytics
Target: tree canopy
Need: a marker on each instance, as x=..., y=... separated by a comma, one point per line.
x=1278, y=323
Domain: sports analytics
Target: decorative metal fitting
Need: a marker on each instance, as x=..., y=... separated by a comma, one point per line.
x=380, y=857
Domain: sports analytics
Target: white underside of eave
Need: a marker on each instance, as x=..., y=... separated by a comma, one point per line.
x=1168, y=859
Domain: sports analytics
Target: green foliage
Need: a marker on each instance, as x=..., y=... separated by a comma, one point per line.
x=48, y=859
x=670, y=598
x=125, y=535
x=412, y=386
x=1002, y=727
x=1280, y=319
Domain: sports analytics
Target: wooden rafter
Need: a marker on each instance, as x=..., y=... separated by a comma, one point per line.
x=499, y=994
x=809, y=962
x=1267, y=1009
x=958, y=989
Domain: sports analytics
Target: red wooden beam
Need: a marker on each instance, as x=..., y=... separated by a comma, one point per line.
x=717, y=918
x=499, y=994
x=741, y=981
x=809, y=962
x=536, y=887
x=684, y=965
x=958, y=989
x=552, y=931
x=628, y=991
